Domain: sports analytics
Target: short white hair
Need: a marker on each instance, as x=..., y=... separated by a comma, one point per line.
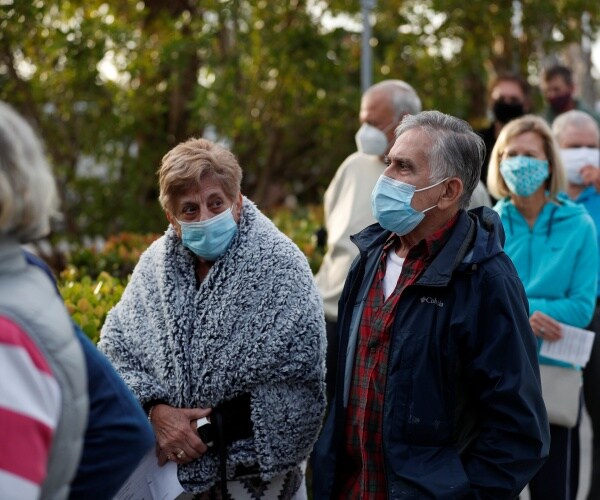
x=28, y=194
x=576, y=119
x=403, y=97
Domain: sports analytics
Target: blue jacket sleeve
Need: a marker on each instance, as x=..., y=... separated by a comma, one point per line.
x=118, y=434
x=577, y=307
x=513, y=439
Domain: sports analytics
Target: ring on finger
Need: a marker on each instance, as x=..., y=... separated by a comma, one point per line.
x=180, y=455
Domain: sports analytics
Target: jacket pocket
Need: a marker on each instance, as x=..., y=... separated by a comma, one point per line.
x=427, y=472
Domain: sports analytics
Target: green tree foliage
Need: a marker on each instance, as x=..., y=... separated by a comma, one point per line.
x=112, y=86
x=259, y=75
x=451, y=48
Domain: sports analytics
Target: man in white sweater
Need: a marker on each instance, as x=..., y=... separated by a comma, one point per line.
x=347, y=203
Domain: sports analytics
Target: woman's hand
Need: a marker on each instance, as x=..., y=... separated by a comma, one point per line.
x=545, y=327
x=176, y=436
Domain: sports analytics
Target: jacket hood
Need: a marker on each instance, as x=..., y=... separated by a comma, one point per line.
x=489, y=235
x=560, y=209
x=477, y=236
x=568, y=208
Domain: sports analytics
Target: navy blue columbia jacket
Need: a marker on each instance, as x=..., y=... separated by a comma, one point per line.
x=463, y=415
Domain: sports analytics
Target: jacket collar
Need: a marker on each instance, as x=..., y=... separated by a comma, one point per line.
x=440, y=270
x=476, y=237
x=11, y=256
x=586, y=194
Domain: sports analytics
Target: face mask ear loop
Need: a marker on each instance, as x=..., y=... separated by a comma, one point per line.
x=433, y=185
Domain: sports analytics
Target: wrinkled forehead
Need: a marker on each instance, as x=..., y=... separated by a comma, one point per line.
x=412, y=145
x=376, y=107
x=557, y=82
x=508, y=89
x=580, y=135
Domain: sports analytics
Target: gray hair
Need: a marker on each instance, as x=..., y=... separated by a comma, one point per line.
x=403, y=97
x=189, y=163
x=576, y=119
x=456, y=151
x=28, y=194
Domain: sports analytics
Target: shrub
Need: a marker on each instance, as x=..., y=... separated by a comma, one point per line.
x=301, y=225
x=118, y=256
x=88, y=300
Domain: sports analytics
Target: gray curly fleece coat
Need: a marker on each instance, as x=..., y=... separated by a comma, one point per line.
x=255, y=324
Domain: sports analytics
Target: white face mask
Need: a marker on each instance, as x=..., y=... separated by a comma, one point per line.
x=372, y=141
x=574, y=159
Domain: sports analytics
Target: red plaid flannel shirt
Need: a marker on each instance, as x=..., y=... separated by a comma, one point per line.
x=363, y=473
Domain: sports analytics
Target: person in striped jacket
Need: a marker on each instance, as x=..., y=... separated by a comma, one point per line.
x=43, y=381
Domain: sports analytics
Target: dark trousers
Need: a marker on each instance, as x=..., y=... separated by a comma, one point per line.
x=557, y=479
x=591, y=394
x=331, y=358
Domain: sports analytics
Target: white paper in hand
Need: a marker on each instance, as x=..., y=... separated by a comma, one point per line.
x=149, y=481
x=575, y=347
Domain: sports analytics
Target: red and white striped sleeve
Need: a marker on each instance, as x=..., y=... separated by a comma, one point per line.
x=30, y=402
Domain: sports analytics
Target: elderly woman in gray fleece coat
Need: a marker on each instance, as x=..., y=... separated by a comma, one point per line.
x=221, y=322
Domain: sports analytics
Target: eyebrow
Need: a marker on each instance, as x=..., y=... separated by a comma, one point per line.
x=402, y=162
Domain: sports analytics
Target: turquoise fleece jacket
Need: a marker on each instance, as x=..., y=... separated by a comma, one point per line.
x=590, y=199
x=557, y=259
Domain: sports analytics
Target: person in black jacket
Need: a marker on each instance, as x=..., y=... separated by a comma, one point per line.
x=437, y=385
x=509, y=98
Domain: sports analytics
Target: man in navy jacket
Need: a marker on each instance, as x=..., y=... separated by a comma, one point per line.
x=437, y=383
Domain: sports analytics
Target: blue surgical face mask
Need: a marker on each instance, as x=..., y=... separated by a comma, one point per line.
x=391, y=205
x=209, y=238
x=523, y=175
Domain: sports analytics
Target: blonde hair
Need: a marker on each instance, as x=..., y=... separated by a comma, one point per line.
x=555, y=183
x=184, y=167
x=28, y=194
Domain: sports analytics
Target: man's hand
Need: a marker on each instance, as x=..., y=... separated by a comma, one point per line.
x=591, y=176
x=176, y=436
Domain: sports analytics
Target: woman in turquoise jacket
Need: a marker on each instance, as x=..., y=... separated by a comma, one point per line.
x=552, y=243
